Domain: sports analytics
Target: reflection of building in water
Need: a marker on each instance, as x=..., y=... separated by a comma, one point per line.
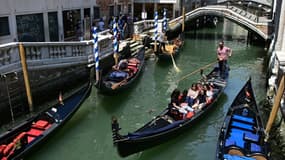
x=233, y=31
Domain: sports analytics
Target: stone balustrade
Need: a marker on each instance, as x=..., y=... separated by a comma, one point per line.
x=52, y=54
x=144, y=25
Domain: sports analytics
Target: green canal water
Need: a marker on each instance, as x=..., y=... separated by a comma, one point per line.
x=87, y=136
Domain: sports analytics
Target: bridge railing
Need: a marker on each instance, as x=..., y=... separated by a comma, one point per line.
x=144, y=25
x=52, y=54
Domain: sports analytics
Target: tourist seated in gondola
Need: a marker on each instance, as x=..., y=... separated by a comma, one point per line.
x=202, y=99
x=174, y=103
x=121, y=71
x=122, y=65
x=192, y=94
x=209, y=94
x=182, y=96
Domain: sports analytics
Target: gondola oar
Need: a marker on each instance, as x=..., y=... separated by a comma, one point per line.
x=171, y=52
x=174, y=64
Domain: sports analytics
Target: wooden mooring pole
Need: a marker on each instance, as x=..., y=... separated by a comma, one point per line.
x=26, y=76
x=183, y=19
x=275, y=107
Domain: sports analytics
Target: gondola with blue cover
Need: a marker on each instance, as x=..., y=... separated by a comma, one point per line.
x=242, y=134
x=166, y=125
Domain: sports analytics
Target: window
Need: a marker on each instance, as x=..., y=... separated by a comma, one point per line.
x=30, y=28
x=4, y=26
x=96, y=12
x=71, y=24
x=111, y=11
x=129, y=9
x=53, y=26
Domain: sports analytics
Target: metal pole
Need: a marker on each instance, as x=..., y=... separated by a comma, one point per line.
x=275, y=107
x=26, y=77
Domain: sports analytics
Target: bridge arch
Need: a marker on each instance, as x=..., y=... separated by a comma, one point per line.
x=241, y=17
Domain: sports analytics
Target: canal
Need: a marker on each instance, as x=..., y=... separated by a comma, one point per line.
x=87, y=136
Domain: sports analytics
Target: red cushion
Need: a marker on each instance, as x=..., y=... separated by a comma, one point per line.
x=40, y=124
x=34, y=132
x=30, y=139
x=19, y=137
x=190, y=115
x=133, y=69
x=2, y=147
x=9, y=147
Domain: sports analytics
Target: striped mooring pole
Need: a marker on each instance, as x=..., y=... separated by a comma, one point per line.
x=96, y=54
x=115, y=41
x=164, y=20
x=156, y=30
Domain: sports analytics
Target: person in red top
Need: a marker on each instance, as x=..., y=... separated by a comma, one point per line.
x=223, y=53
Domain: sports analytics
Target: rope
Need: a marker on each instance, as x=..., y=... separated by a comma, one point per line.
x=197, y=70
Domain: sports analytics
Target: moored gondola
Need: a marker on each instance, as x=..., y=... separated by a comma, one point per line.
x=115, y=80
x=242, y=134
x=170, y=122
x=16, y=142
x=172, y=48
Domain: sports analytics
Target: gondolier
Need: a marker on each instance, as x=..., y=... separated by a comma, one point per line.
x=223, y=53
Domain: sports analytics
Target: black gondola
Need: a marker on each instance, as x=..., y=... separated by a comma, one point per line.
x=16, y=142
x=167, y=124
x=107, y=84
x=242, y=133
x=171, y=49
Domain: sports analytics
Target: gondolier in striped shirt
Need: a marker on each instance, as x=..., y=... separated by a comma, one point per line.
x=223, y=53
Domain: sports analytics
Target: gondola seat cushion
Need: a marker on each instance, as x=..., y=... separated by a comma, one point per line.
x=255, y=148
x=229, y=142
x=243, y=119
x=190, y=115
x=133, y=69
x=242, y=125
x=34, y=132
x=238, y=138
x=41, y=124
x=236, y=157
x=8, y=148
x=2, y=147
x=251, y=137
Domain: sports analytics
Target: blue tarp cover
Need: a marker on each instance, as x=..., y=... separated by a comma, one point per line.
x=236, y=157
x=244, y=119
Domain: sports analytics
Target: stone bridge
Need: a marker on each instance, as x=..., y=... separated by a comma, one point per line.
x=260, y=25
